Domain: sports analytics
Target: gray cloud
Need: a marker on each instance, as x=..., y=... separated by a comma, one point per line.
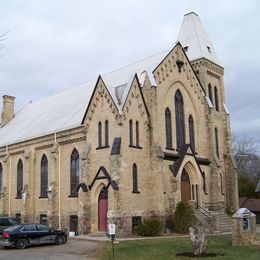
x=54, y=45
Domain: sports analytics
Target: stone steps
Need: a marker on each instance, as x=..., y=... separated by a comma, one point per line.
x=224, y=221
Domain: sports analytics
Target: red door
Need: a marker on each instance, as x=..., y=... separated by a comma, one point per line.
x=102, y=210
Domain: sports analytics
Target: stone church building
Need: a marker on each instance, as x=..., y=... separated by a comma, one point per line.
x=126, y=147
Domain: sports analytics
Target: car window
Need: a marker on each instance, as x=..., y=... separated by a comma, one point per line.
x=28, y=228
x=12, y=222
x=11, y=228
x=5, y=222
x=42, y=228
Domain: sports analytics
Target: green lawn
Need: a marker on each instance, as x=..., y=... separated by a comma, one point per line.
x=167, y=248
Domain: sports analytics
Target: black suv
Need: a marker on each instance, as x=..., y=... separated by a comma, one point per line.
x=6, y=222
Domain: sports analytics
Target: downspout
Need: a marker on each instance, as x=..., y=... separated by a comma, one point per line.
x=10, y=181
x=59, y=180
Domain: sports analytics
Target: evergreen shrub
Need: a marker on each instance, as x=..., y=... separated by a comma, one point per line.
x=184, y=217
x=150, y=228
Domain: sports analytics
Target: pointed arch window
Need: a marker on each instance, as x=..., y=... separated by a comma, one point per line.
x=106, y=133
x=74, y=173
x=216, y=98
x=137, y=133
x=44, y=176
x=210, y=93
x=99, y=134
x=135, y=179
x=191, y=133
x=216, y=142
x=179, y=112
x=130, y=132
x=168, y=128
x=19, y=179
x=1, y=177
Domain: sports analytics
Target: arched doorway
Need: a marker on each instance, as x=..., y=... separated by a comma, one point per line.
x=102, y=210
x=185, y=186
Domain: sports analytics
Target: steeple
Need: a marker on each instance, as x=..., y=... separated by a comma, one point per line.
x=195, y=40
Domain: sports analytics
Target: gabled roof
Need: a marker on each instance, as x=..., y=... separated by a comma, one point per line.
x=195, y=40
x=66, y=109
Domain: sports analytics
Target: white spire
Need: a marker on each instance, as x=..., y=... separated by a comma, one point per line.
x=195, y=40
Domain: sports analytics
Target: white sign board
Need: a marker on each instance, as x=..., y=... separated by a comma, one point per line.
x=111, y=229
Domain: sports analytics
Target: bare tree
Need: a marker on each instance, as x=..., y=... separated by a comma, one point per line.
x=2, y=39
x=246, y=153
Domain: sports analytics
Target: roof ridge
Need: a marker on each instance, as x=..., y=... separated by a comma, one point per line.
x=138, y=61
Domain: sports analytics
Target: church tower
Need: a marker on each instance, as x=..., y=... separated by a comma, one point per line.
x=207, y=66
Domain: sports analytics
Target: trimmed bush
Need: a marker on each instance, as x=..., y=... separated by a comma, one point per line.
x=150, y=228
x=184, y=217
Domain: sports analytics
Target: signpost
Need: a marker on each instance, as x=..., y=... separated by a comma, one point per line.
x=112, y=234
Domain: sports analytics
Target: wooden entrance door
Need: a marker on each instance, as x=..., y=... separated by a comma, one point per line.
x=102, y=210
x=185, y=186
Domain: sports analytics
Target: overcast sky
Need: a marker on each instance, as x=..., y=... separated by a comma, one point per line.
x=53, y=45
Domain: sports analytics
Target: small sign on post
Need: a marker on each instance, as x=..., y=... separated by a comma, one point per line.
x=112, y=234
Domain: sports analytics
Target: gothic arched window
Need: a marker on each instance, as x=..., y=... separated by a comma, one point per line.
x=19, y=179
x=216, y=142
x=168, y=128
x=135, y=180
x=216, y=98
x=44, y=176
x=74, y=173
x=210, y=93
x=106, y=133
x=99, y=134
x=180, y=131
x=191, y=133
x=131, y=132
x=137, y=133
x=1, y=177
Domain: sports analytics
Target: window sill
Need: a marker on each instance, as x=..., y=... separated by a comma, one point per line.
x=168, y=148
x=137, y=192
x=43, y=197
x=134, y=146
x=102, y=147
x=18, y=198
x=73, y=196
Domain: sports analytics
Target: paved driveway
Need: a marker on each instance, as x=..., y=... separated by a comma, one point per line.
x=72, y=250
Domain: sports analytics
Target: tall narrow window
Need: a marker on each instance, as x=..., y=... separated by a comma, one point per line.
x=74, y=173
x=210, y=93
x=137, y=133
x=180, y=131
x=44, y=176
x=131, y=132
x=1, y=177
x=135, y=180
x=216, y=142
x=99, y=134
x=106, y=133
x=19, y=179
x=168, y=128
x=216, y=98
x=191, y=133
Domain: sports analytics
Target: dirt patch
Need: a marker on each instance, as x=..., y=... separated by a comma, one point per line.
x=189, y=254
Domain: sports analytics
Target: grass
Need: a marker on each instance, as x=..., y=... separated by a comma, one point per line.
x=167, y=248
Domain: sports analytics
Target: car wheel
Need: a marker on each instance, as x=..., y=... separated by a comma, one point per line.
x=21, y=243
x=60, y=240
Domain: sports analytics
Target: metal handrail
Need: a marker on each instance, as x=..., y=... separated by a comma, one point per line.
x=202, y=210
